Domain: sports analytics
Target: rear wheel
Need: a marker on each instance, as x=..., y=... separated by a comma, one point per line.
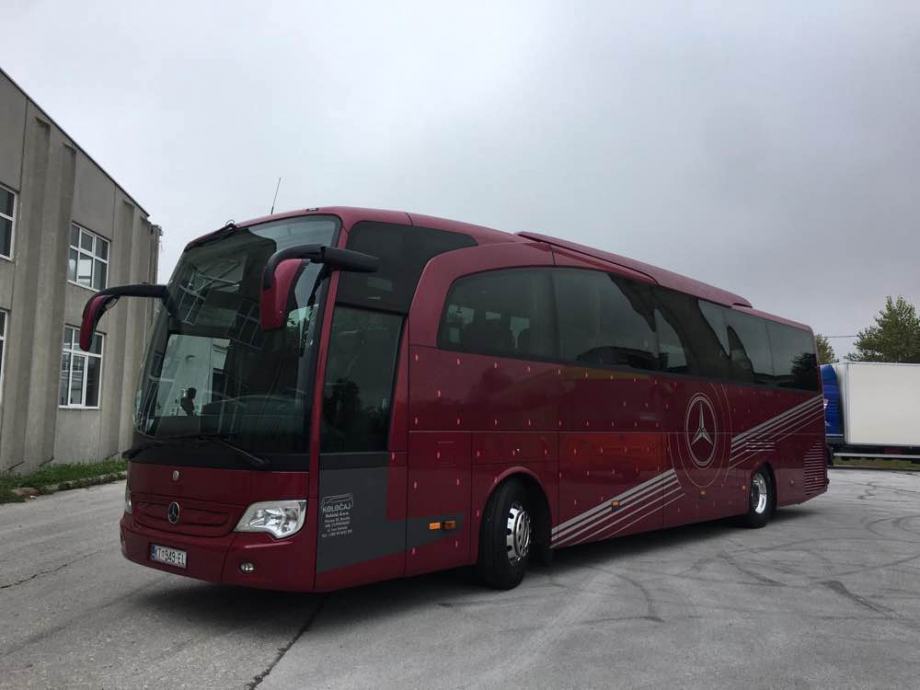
x=761, y=499
x=506, y=537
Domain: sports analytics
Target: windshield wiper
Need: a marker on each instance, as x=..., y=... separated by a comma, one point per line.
x=254, y=460
x=251, y=458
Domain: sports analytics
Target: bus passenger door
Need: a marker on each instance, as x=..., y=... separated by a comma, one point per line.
x=361, y=527
x=364, y=435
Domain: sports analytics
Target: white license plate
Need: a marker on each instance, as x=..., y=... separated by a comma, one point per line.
x=164, y=554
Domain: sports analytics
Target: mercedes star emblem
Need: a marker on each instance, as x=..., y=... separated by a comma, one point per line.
x=701, y=430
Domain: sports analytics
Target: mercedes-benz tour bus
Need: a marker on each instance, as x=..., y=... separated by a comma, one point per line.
x=336, y=396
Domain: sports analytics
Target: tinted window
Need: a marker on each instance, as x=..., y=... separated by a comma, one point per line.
x=508, y=313
x=714, y=315
x=749, y=348
x=672, y=355
x=700, y=329
x=403, y=252
x=359, y=380
x=794, y=361
x=604, y=320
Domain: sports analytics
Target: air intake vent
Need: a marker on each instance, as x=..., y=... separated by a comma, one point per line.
x=815, y=470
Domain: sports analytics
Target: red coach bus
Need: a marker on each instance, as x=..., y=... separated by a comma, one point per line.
x=337, y=396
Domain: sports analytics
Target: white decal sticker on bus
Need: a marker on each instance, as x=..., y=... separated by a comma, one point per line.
x=336, y=515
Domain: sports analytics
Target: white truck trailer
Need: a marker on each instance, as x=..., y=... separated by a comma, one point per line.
x=872, y=409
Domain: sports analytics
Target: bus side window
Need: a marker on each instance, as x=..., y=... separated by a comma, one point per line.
x=716, y=360
x=507, y=313
x=794, y=359
x=672, y=356
x=704, y=339
x=742, y=366
x=604, y=320
x=750, y=348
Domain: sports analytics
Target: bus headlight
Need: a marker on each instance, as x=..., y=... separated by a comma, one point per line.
x=278, y=518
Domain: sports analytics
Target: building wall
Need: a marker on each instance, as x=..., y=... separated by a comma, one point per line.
x=58, y=184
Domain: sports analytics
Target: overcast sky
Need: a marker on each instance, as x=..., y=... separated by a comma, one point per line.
x=771, y=151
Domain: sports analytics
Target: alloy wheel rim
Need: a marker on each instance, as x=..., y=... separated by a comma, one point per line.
x=518, y=533
x=759, y=494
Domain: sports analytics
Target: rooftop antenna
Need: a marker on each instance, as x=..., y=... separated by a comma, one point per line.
x=277, y=187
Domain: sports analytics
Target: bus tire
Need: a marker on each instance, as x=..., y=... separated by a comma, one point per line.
x=761, y=499
x=505, y=537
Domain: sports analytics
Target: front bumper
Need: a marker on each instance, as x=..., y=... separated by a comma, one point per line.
x=279, y=564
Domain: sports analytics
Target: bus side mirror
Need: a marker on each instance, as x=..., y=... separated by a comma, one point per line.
x=102, y=301
x=283, y=268
x=92, y=312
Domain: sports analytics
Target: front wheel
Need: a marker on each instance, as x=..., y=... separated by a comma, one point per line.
x=761, y=500
x=505, y=538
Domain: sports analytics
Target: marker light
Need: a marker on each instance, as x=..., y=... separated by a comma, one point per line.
x=278, y=518
x=129, y=508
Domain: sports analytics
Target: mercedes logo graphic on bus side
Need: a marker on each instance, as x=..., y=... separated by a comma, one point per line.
x=172, y=513
x=701, y=428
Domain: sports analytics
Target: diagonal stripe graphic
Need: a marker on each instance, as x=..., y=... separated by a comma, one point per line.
x=657, y=479
x=621, y=513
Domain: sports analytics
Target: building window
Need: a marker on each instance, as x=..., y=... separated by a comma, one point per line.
x=88, y=260
x=81, y=372
x=7, y=221
x=2, y=347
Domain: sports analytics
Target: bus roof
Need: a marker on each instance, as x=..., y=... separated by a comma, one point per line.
x=485, y=235
x=661, y=276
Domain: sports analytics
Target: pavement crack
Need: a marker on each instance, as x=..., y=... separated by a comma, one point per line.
x=50, y=571
x=257, y=680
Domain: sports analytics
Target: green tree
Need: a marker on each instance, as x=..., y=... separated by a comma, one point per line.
x=826, y=354
x=895, y=337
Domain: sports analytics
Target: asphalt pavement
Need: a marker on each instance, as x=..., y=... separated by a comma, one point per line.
x=827, y=595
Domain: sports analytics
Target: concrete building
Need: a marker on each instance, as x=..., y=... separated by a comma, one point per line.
x=66, y=230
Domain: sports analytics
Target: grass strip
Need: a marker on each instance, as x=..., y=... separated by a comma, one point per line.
x=57, y=477
x=877, y=464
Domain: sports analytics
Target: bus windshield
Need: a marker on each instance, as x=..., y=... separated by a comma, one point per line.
x=210, y=369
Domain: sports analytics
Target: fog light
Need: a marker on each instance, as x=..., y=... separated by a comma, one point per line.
x=247, y=567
